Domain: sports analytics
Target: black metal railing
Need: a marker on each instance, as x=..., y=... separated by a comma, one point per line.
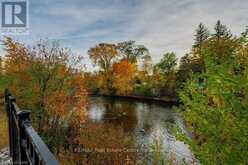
x=26, y=146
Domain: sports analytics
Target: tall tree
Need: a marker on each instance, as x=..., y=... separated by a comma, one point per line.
x=103, y=55
x=164, y=74
x=201, y=35
x=222, y=42
x=185, y=68
x=221, y=31
x=131, y=52
x=167, y=63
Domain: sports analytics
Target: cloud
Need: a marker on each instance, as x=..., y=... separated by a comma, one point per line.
x=169, y=25
x=161, y=25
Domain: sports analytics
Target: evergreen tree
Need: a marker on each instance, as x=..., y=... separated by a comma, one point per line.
x=222, y=43
x=221, y=31
x=201, y=35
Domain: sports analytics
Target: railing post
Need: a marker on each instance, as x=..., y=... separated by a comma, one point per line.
x=8, y=109
x=14, y=136
x=23, y=119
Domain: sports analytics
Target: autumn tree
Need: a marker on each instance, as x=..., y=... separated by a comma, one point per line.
x=44, y=81
x=16, y=65
x=131, y=51
x=123, y=77
x=104, y=55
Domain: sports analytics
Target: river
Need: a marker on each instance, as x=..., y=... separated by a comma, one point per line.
x=147, y=121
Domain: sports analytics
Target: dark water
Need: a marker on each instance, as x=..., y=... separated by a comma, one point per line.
x=146, y=120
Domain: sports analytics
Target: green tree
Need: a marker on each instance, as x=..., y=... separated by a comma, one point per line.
x=221, y=31
x=215, y=106
x=186, y=67
x=164, y=77
x=201, y=35
x=167, y=63
x=222, y=43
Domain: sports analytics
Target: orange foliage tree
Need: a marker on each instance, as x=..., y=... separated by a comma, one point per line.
x=44, y=80
x=124, y=73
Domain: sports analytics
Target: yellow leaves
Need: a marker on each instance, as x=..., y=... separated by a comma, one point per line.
x=61, y=103
x=103, y=54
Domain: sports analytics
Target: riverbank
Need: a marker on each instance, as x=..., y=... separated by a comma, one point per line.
x=172, y=101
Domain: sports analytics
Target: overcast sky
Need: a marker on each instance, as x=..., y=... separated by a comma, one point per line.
x=161, y=25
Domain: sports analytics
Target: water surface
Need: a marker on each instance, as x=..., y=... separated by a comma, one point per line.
x=146, y=120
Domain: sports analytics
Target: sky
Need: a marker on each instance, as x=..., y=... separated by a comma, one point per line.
x=161, y=25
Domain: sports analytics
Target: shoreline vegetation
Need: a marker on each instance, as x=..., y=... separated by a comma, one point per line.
x=172, y=101
x=210, y=81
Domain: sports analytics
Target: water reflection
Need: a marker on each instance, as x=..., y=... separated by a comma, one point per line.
x=147, y=121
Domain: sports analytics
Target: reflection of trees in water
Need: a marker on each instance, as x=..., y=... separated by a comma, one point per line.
x=121, y=113
x=135, y=116
x=103, y=143
x=144, y=114
x=145, y=122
